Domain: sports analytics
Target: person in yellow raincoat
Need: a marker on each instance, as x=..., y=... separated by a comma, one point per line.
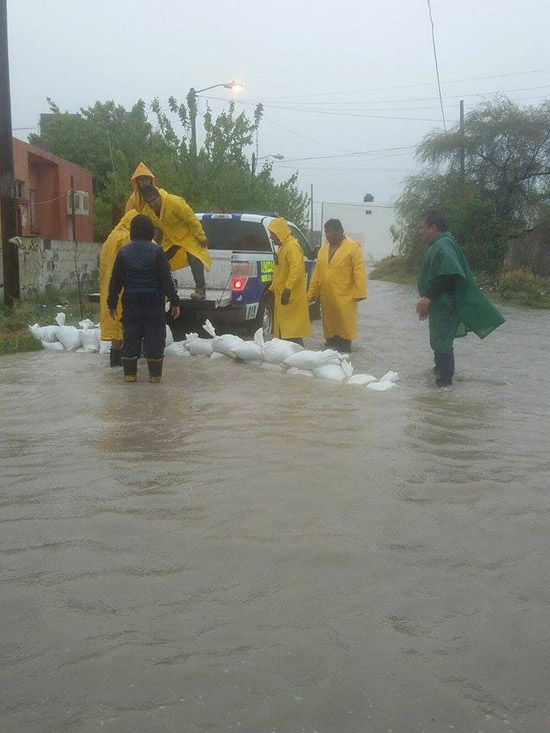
x=340, y=280
x=184, y=241
x=142, y=176
x=291, y=310
x=111, y=330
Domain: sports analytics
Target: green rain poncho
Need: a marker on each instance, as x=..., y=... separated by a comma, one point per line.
x=452, y=316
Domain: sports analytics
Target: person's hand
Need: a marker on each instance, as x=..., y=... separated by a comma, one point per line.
x=422, y=308
x=112, y=313
x=175, y=311
x=285, y=297
x=204, y=243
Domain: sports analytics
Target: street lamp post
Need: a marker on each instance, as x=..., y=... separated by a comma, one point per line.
x=192, y=106
x=276, y=156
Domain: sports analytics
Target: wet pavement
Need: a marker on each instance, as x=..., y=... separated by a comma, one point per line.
x=235, y=549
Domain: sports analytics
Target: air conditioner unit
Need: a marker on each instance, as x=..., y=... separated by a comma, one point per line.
x=81, y=203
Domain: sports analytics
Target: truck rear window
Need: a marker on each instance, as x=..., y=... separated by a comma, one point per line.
x=234, y=234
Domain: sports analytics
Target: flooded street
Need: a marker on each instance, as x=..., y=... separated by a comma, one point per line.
x=240, y=550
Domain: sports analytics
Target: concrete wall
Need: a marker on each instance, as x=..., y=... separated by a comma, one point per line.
x=47, y=264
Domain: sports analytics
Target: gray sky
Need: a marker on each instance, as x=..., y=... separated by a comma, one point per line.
x=336, y=78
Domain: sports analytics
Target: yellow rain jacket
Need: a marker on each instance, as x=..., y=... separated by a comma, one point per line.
x=115, y=241
x=135, y=201
x=181, y=229
x=341, y=284
x=291, y=320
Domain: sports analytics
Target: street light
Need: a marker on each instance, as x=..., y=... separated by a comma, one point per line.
x=235, y=86
x=276, y=156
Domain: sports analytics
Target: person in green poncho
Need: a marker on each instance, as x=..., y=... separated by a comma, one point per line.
x=449, y=298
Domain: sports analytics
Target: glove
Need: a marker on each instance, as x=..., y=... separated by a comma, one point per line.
x=285, y=297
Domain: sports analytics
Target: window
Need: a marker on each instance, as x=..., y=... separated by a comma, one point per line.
x=234, y=234
x=32, y=209
x=19, y=190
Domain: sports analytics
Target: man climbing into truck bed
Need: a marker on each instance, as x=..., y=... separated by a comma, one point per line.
x=184, y=241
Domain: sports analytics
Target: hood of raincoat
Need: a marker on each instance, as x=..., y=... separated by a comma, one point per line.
x=280, y=228
x=142, y=170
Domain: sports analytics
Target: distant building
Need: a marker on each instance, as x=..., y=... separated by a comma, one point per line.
x=42, y=190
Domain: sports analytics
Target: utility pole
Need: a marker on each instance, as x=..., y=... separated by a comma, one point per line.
x=8, y=214
x=192, y=106
x=253, y=166
x=462, y=150
x=311, y=216
x=75, y=243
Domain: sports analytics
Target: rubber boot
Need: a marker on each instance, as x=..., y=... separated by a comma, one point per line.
x=155, y=370
x=115, y=356
x=130, y=368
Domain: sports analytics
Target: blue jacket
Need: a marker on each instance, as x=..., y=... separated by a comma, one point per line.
x=141, y=268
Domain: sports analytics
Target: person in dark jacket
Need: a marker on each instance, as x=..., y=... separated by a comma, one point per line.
x=142, y=269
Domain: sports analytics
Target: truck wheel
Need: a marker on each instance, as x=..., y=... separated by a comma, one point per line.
x=264, y=317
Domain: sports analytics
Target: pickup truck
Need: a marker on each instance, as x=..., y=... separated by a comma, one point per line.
x=242, y=269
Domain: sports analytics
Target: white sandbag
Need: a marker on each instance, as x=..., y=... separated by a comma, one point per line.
x=273, y=367
x=81, y=350
x=361, y=379
x=104, y=347
x=251, y=350
x=390, y=377
x=60, y=319
x=86, y=323
x=381, y=386
x=43, y=333
x=277, y=350
x=248, y=351
x=176, y=348
x=225, y=344
x=169, y=336
x=218, y=356
x=300, y=372
x=198, y=346
x=69, y=336
x=90, y=340
x=310, y=360
x=53, y=346
x=338, y=372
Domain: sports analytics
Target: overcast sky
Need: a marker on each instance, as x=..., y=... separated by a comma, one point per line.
x=335, y=77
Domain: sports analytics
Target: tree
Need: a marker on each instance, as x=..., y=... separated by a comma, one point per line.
x=110, y=141
x=505, y=189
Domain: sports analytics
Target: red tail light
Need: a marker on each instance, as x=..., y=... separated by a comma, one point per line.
x=240, y=272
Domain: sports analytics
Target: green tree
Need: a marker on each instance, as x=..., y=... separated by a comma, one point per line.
x=505, y=188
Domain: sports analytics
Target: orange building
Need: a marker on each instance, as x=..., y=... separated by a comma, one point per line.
x=42, y=190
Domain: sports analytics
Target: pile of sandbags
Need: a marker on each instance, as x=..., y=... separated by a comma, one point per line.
x=87, y=338
x=276, y=355
x=284, y=357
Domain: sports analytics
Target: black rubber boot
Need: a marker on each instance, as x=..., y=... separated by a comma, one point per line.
x=115, y=356
x=130, y=368
x=155, y=370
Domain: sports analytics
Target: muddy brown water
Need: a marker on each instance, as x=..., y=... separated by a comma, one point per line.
x=240, y=550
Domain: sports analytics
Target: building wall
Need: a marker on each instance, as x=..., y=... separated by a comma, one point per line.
x=46, y=264
x=50, y=178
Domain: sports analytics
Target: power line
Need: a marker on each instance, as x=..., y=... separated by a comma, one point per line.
x=348, y=155
x=406, y=86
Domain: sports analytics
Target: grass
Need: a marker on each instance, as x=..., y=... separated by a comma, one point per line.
x=523, y=288
x=14, y=333
x=512, y=288
x=396, y=270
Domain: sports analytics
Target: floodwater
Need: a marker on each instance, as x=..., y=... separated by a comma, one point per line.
x=240, y=550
